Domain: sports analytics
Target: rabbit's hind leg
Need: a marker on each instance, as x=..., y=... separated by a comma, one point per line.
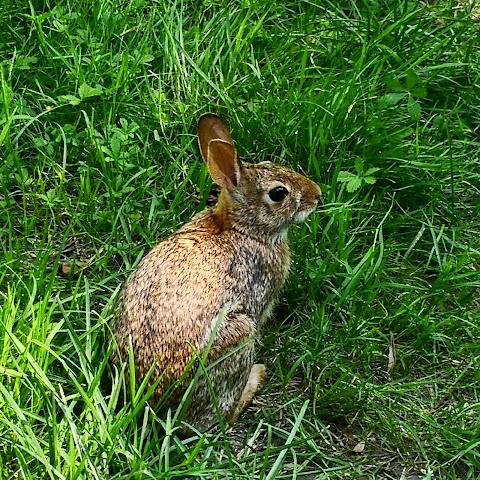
x=254, y=382
x=233, y=377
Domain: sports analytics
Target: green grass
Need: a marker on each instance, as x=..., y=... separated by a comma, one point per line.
x=375, y=100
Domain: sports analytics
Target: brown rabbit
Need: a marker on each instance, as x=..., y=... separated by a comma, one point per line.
x=219, y=274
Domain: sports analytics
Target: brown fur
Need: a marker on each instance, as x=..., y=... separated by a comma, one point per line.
x=232, y=258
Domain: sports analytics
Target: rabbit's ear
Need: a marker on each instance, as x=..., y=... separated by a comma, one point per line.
x=218, y=151
x=211, y=127
x=223, y=164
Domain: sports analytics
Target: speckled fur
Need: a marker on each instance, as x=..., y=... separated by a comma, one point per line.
x=232, y=258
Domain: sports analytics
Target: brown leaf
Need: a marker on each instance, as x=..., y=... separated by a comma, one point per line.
x=444, y=399
x=392, y=354
x=72, y=267
x=359, y=447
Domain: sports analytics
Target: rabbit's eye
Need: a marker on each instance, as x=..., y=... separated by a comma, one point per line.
x=277, y=194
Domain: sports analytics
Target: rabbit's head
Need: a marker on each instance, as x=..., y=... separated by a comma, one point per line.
x=260, y=199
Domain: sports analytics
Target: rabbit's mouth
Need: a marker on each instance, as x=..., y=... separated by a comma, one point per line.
x=301, y=215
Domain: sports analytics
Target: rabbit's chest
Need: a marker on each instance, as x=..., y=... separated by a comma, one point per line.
x=256, y=277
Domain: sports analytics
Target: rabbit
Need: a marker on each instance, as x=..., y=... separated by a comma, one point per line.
x=220, y=274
